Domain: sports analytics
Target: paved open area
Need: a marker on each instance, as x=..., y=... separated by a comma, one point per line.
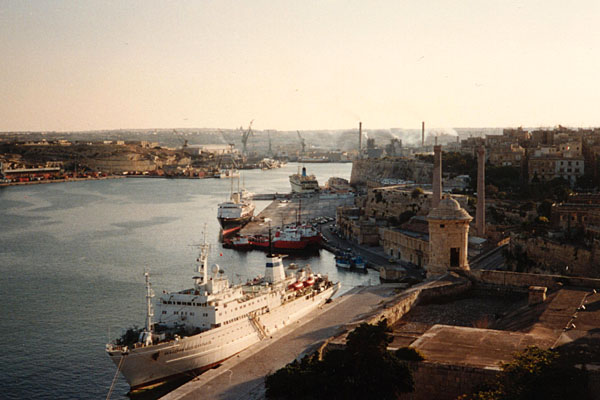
x=242, y=376
x=285, y=211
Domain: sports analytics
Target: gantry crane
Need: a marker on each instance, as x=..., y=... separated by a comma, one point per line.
x=245, y=136
x=302, y=142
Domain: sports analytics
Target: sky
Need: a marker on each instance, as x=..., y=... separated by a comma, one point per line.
x=290, y=64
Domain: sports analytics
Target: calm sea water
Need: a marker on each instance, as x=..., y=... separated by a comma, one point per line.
x=72, y=257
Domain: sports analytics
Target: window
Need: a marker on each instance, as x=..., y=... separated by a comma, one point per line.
x=442, y=226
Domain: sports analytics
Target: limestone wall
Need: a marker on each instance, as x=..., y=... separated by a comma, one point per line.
x=445, y=382
x=122, y=165
x=396, y=168
x=428, y=291
x=523, y=281
x=392, y=201
x=549, y=255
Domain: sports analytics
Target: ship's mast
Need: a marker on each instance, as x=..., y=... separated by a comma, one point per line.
x=231, y=190
x=270, y=242
x=149, y=296
x=204, y=249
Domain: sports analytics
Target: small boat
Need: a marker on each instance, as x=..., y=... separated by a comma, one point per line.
x=348, y=260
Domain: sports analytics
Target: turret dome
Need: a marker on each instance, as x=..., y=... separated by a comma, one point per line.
x=449, y=209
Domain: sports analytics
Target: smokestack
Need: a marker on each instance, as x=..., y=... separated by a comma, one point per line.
x=436, y=140
x=423, y=134
x=437, y=176
x=359, y=139
x=480, y=213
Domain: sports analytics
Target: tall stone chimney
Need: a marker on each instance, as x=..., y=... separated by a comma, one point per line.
x=359, y=140
x=423, y=134
x=480, y=214
x=437, y=176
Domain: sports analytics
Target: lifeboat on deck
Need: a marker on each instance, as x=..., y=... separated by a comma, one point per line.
x=309, y=282
x=296, y=285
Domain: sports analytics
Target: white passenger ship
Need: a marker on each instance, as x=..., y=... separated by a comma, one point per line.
x=303, y=183
x=214, y=320
x=233, y=215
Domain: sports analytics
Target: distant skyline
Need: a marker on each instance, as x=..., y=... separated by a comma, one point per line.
x=287, y=65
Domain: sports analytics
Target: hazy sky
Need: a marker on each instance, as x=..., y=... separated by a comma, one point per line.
x=80, y=65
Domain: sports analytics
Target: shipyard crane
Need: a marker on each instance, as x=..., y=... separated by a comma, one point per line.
x=231, y=153
x=302, y=142
x=230, y=144
x=183, y=141
x=270, y=153
x=245, y=136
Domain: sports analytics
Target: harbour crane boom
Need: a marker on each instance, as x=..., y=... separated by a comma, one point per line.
x=245, y=136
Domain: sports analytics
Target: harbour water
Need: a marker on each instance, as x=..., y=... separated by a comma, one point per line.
x=72, y=257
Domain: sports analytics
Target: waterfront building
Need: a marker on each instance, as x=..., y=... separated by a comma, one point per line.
x=448, y=237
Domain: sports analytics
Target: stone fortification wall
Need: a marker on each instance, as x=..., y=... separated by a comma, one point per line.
x=394, y=168
x=425, y=292
x=391, y=201
x=116, y=166
x=552, y=256
x=521, y=281
x=445, y=382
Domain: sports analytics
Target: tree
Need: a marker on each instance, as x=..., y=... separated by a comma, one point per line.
x=535, y=374
x=363, y=369
x=416, y=192
x=491, y=191
x=545, y=209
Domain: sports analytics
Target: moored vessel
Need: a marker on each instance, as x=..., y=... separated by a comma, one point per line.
x=228, y=173
x=200, y=327
x=303, y=183
x=290, y=238
x=236, y=213
x=348, y=260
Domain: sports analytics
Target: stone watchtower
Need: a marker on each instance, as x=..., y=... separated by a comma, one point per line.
x=448, y=237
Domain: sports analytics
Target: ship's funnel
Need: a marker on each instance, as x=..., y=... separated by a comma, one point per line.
x=274, y=271
x=303, y=171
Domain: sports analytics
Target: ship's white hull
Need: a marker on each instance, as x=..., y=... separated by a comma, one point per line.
x=298, y=187
x=143, y=366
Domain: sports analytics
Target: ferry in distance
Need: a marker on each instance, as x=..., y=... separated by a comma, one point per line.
x=303, y=183
x=236, y=213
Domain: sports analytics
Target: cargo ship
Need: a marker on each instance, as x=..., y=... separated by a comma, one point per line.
x=198, y=328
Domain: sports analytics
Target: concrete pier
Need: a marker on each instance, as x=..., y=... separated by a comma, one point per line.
x=282, y=212
x=242, y=376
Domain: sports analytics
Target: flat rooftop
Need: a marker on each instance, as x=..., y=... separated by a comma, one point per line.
x=474, y=347
x=483, y=331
